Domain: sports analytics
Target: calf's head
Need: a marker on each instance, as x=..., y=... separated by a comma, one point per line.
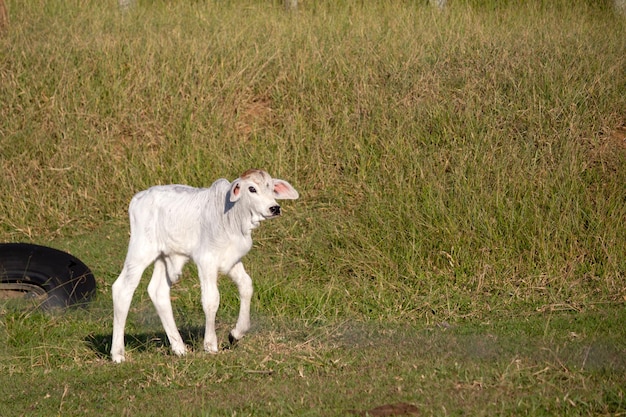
x=258, y=191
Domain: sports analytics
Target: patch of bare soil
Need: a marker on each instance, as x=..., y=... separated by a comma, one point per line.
x=388, y=410
x=252, y=113
x=607, y=154
x=618, y=137
x=4, y=16
x=612, y=143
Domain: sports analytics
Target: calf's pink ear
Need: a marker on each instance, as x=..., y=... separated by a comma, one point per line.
x=284, y=191
x=235, y=191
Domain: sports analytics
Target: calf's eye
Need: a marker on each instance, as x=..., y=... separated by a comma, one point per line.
x=252, y=189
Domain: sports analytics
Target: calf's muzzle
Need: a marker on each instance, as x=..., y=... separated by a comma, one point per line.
x=275, y=210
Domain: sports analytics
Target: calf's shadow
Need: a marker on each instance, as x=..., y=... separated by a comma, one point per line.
x=143, y=342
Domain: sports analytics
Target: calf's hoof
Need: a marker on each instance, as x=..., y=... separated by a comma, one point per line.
x=116, y=358
x=210, y=348
x=232, y=340
x=179, y=350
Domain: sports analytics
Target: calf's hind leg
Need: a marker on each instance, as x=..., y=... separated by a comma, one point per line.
x=122, y=290
x=167, y=270
x=210, y=302
x=244, y=285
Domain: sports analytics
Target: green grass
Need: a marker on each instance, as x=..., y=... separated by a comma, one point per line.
x=460, y=239
x=556, y=364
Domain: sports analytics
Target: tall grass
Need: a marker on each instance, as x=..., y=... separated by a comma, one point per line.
x=455, y=163
x=461, y=174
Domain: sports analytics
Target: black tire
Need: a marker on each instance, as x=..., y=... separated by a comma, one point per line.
x=65, y=279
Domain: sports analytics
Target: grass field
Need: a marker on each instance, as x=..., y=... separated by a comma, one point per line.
x=460, y=240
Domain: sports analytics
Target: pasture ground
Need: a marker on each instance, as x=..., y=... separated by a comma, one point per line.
x=458, y=247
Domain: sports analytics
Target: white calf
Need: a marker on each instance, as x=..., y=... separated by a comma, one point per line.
x=213, y=226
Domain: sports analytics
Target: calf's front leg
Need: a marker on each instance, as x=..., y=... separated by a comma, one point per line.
x=244, y=285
